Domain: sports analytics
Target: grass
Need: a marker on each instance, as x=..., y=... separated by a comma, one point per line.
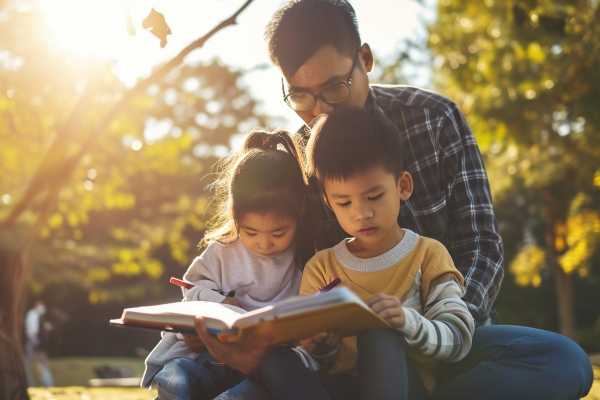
x=73, y=371
x=595, y=392
x=83, y=393
x=72, y=374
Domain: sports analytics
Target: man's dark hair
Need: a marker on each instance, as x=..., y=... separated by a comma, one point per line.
x=301, y=27
x=350, y=141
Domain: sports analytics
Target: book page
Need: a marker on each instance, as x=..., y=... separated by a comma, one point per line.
x=183, y=313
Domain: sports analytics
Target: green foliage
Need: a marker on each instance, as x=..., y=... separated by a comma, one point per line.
x=136, y=205
x=527, y=76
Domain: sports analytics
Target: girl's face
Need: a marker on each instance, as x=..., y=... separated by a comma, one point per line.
x=266, y=234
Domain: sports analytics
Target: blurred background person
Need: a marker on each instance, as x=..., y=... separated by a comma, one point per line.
x=37, y=328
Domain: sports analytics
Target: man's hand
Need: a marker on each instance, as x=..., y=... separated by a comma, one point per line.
x=243, y=355
x=389, y=308
x=317, y=343
x=194, y=343
x=324, y=347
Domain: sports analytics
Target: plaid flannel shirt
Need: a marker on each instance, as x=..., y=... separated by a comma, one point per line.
x=451, y=201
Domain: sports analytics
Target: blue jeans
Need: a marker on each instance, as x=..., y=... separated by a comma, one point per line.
x=194, y=379
x=517, y=362
x=281, y=375
x=383, y=373
x=505, y=362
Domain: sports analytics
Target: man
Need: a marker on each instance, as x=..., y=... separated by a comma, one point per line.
x=317, y=46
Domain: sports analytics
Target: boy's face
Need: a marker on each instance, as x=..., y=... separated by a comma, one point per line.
x=327, y=67
x=367, y=206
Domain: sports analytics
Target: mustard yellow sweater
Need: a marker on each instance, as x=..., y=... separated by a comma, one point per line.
x=420, y=272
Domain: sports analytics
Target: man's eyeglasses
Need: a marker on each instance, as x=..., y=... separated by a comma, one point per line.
x=334, y=93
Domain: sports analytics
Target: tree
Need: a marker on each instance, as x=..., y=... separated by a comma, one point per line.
x=527, y=75
x=133, y=206
x=53, y=171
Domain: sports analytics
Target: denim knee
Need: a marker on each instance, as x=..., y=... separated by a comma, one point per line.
x=173, y=381
x=571, y=365
x=277, y=364
x=563, y=369
x=383, y=338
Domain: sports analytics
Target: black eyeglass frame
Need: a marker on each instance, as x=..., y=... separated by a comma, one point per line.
x=317, y=96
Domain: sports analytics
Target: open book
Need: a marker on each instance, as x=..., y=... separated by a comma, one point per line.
x=339, y=310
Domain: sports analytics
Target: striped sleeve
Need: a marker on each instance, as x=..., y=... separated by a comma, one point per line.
x=445, y=331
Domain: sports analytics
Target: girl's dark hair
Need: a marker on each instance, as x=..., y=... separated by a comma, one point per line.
x=301, y=27
x=12, y=270
x=349, y=141
x=265, y=176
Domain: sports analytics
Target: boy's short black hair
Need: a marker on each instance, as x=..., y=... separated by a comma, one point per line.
x=350, y=141
x=301, y=27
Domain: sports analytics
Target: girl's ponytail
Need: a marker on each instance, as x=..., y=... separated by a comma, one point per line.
x=268, y=141
x=261, y=140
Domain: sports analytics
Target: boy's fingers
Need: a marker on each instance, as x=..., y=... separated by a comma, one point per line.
x=373, y=299
x=397, y=322
x=385, y=303
x=389, y=313
x=378, y=298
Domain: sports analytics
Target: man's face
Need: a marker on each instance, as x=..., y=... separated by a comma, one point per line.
x=328, y=67
x=367, y=205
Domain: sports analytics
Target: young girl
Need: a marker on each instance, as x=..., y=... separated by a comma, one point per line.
x=254, y=254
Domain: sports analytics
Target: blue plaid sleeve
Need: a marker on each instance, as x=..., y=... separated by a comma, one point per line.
x=475, y=244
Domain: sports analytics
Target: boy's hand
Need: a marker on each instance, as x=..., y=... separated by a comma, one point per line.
x=389, y=308
x=194, y=343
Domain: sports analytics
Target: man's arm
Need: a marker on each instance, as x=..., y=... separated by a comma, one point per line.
x=473, y=239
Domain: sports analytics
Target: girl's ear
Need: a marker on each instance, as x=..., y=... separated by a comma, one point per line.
x=405, y=185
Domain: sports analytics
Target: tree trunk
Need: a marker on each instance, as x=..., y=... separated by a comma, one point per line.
x=563, y=284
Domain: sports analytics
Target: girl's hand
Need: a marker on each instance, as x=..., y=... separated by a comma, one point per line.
x=389, y=308
x=233, y=301
x=194, y=343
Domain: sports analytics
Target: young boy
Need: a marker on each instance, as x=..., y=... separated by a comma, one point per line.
x=408, y=279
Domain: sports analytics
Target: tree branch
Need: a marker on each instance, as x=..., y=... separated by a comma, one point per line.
x=52, y=178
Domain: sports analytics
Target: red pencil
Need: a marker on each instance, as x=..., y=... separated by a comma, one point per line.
x=180, y=283
x=331, y=285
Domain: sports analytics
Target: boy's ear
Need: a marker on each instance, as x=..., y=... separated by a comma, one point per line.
x=366, y=56
x=405, y=185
